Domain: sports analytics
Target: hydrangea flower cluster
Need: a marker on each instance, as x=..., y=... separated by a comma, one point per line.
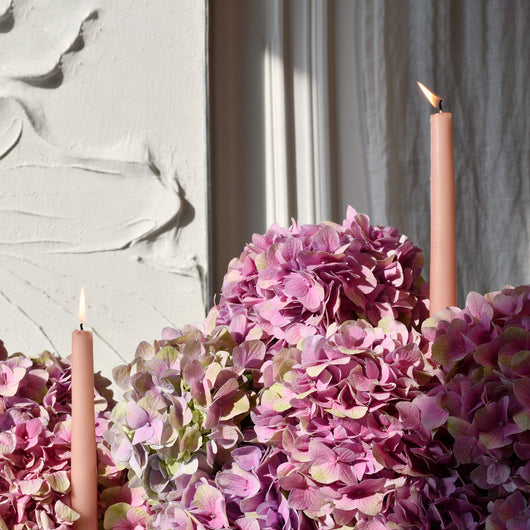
x=484, y=402
x=244, y=495
x=254, y=498
x=293, y=283
x=35, y=418
x=340, y=409
x=181, y=415
x=309, y=399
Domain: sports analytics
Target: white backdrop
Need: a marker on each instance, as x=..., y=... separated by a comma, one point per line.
x=102, y=171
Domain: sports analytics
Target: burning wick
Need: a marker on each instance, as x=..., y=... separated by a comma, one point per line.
x=82, y=308
x=434, y=99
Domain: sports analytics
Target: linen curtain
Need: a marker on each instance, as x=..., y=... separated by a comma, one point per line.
x=475, y=55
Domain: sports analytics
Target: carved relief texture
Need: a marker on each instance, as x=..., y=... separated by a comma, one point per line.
x=102, y=171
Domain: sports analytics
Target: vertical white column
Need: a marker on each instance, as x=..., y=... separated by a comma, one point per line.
x=321, y=115
x=276, y=161
x=311, y=111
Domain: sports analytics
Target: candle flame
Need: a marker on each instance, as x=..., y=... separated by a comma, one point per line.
x=82, y=305
x=434, y=99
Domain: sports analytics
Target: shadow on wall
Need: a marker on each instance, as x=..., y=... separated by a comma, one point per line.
x=24, y=60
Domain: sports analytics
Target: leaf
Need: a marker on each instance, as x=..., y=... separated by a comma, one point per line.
x=458, y=427
x=8, y=442
x=32, y=486
x=522, y=419
x=178, y=468
x=191, y=441
x=325, y=472
x=241, y=406
x=168, y=354
x=145, y=351
x=354, y=413
x=66, y=513
x=121, y=375
x=371, y=505
x=277, y=397
x=116, y=514
x=59, y=481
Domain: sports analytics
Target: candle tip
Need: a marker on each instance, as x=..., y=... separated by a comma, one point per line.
x=432, y=98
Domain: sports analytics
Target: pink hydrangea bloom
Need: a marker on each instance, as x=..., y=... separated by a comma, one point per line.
x=483, y=406
x=185, y=398
x=35, y=442
x=308, y=398
x=340, y=408
x=254, y=498
x=292, y=283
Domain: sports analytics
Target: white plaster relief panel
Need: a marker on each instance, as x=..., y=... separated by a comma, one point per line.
x=102, y=171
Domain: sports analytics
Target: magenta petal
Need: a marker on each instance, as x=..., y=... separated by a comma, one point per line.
x=296, y=332
x=193, y=372
x=229, y=388
x=135, y=416
x=33, y=428
x=466, y=449
x=409, y=414
x=297, y=499
x=170, y=334
x=312, y=300
x=327, y=239
x=306, y=499
x=478, y=306
x=514, y=505
x=271, y=310
x=498, y=473
x=143, y=434
x=320, y=452
x=247, y=457
x=521, y=389
x=305, y=290
x=122, y=452
x=297, y=286
x=249, y=354
x=212, y=417
x=242, y=484
x=432, y=415
x=158, y=427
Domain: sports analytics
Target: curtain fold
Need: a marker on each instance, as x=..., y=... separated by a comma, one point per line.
x=474, y=54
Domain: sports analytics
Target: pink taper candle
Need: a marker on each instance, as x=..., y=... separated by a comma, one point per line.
x=443, y=228
x=84, y=463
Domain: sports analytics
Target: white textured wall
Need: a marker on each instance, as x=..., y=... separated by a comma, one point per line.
x=102, y=171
